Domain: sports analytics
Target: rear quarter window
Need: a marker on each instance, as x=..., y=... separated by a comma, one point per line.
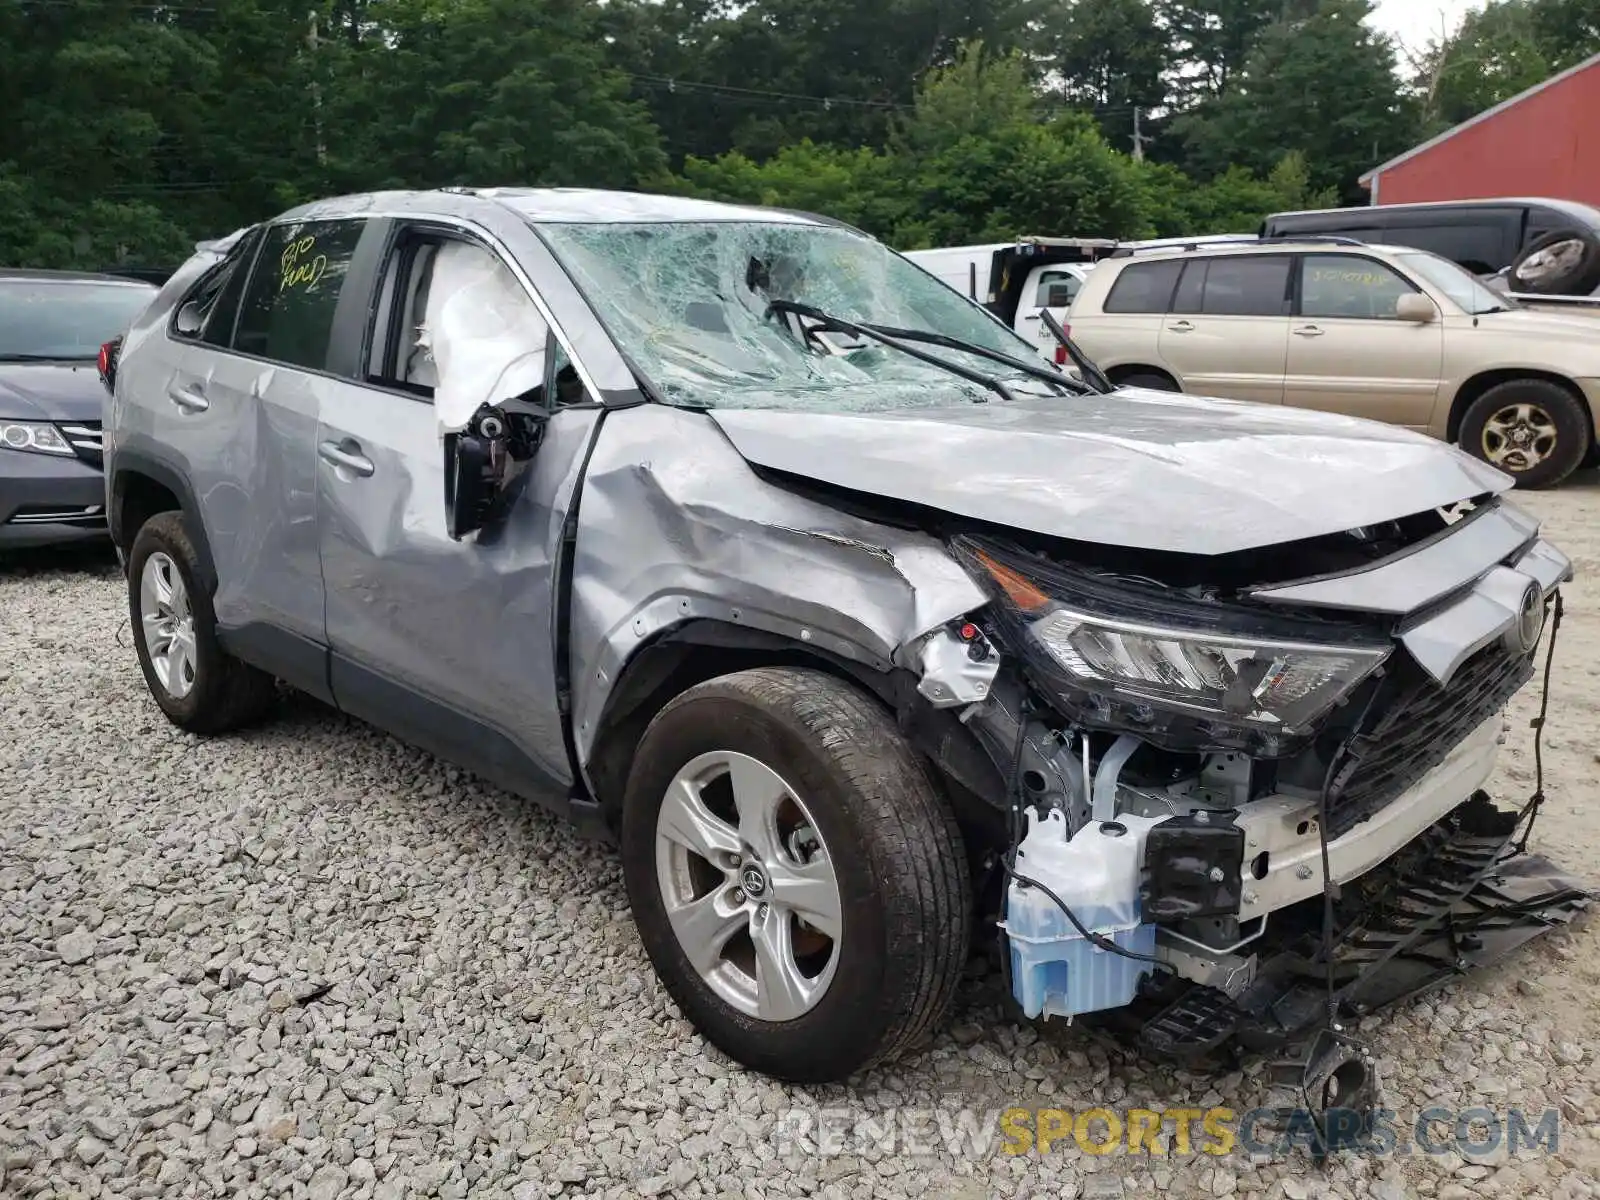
x=288, y=308
x=1144, y=287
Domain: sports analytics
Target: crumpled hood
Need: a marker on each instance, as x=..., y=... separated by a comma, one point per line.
x=1142, y=469
x=51, y=391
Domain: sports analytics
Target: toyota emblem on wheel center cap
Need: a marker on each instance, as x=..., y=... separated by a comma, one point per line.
x=753, y=881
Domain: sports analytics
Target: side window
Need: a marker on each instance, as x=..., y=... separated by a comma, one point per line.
x=460, y=329
x=1342, y=285
x=288, y=308
x=1483, y=246
x=1255, y=286
x=1144, y=287
x=1057, y=289
x=217, y=294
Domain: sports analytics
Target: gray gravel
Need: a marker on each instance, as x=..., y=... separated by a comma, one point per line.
x=312, y=962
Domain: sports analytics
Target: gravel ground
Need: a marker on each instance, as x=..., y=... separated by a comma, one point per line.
x=312, y=962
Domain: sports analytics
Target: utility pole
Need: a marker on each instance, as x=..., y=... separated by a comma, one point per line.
x=316, y=89
x=1139, y=139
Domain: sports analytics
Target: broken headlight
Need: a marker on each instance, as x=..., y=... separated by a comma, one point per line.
x=1180, y=672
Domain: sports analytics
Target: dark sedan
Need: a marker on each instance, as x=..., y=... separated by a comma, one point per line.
x=52, y=325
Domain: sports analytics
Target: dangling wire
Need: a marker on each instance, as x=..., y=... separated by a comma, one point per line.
x=1530, y=811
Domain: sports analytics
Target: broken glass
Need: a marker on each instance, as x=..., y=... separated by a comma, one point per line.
x=690, y=303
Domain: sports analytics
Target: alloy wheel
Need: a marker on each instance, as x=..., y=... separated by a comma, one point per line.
x=1554, y=260
x=749, y=887
x=168, y=625
x=1519, y=437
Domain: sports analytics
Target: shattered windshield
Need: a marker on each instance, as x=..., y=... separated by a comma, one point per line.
x=692, y=305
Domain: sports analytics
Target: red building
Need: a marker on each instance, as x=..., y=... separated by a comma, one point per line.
x=1545, y=142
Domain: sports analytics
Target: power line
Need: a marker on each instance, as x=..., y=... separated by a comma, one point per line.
x=726, y=89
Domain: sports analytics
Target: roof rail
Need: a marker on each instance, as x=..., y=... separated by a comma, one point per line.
x=1326, y=239
x=1213, y=241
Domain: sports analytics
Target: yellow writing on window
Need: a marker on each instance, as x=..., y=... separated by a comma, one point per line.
x=1358, y=278
x=300, y=265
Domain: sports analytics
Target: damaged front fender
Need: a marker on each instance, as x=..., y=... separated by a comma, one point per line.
x=675, y=526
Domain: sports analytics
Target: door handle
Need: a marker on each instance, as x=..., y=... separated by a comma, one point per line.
x=356, y=464
x=1308, y=331
x=1181, y=327
x=188, y=398
x=1031, y=317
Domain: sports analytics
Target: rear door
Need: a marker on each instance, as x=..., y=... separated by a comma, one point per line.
x=1350, y=354
x=1227, y=333
x=242, y=410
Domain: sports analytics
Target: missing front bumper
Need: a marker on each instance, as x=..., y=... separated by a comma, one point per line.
x=1459, y=897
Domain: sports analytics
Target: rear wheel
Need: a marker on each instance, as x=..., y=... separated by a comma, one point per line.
x=196, y=683
x=796, y=875
x=1532, y=429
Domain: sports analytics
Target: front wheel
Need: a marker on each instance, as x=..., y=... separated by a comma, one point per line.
x=796, y=875
x=1532, y=429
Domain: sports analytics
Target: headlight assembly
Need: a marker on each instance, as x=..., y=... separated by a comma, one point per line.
x=1172, y=670
x=36, y=436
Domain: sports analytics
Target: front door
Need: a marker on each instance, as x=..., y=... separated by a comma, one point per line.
x=449, y=644
x=1228, y=332
x=1348, y=351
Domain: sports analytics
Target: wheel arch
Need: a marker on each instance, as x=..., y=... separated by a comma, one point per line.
x=705, y=649
x=1125, y=371
x=1474, y=388
x=139, y=488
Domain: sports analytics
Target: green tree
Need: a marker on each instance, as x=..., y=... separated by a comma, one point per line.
x=1500, y=51
x=1104, y=55
x=1211, y=39
x=1324, y=85
x=757, y=76
x=483, y=92
x=861, y=187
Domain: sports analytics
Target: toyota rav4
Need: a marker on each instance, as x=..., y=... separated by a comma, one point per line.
x=865, y=631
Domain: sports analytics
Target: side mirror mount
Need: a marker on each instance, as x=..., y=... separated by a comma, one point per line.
x=469, y=483
x=479, y=463
x=189, y=320
x=1416, y=307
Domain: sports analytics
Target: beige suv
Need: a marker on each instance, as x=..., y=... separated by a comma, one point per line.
x=1384, y=332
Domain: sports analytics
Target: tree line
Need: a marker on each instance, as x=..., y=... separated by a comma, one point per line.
x=133, y=128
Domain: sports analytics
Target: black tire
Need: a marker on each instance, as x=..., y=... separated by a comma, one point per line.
x=1555, y=409
x=226, y=694
x=1565, y=262
x=892, y=840
x=1150, y=380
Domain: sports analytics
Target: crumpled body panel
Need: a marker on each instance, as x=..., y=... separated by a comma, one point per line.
x=1145, y=470
x=675, y=526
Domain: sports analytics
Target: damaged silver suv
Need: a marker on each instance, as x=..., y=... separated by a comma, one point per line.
x=867, y=633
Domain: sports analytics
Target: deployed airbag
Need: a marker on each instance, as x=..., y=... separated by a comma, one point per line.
x=484, y=334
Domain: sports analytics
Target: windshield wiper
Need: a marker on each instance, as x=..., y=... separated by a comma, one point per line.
x=1090, y=370
x=1048, y=374
x=827, y=321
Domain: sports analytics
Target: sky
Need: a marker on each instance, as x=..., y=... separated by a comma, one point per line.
x=1415, y=22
